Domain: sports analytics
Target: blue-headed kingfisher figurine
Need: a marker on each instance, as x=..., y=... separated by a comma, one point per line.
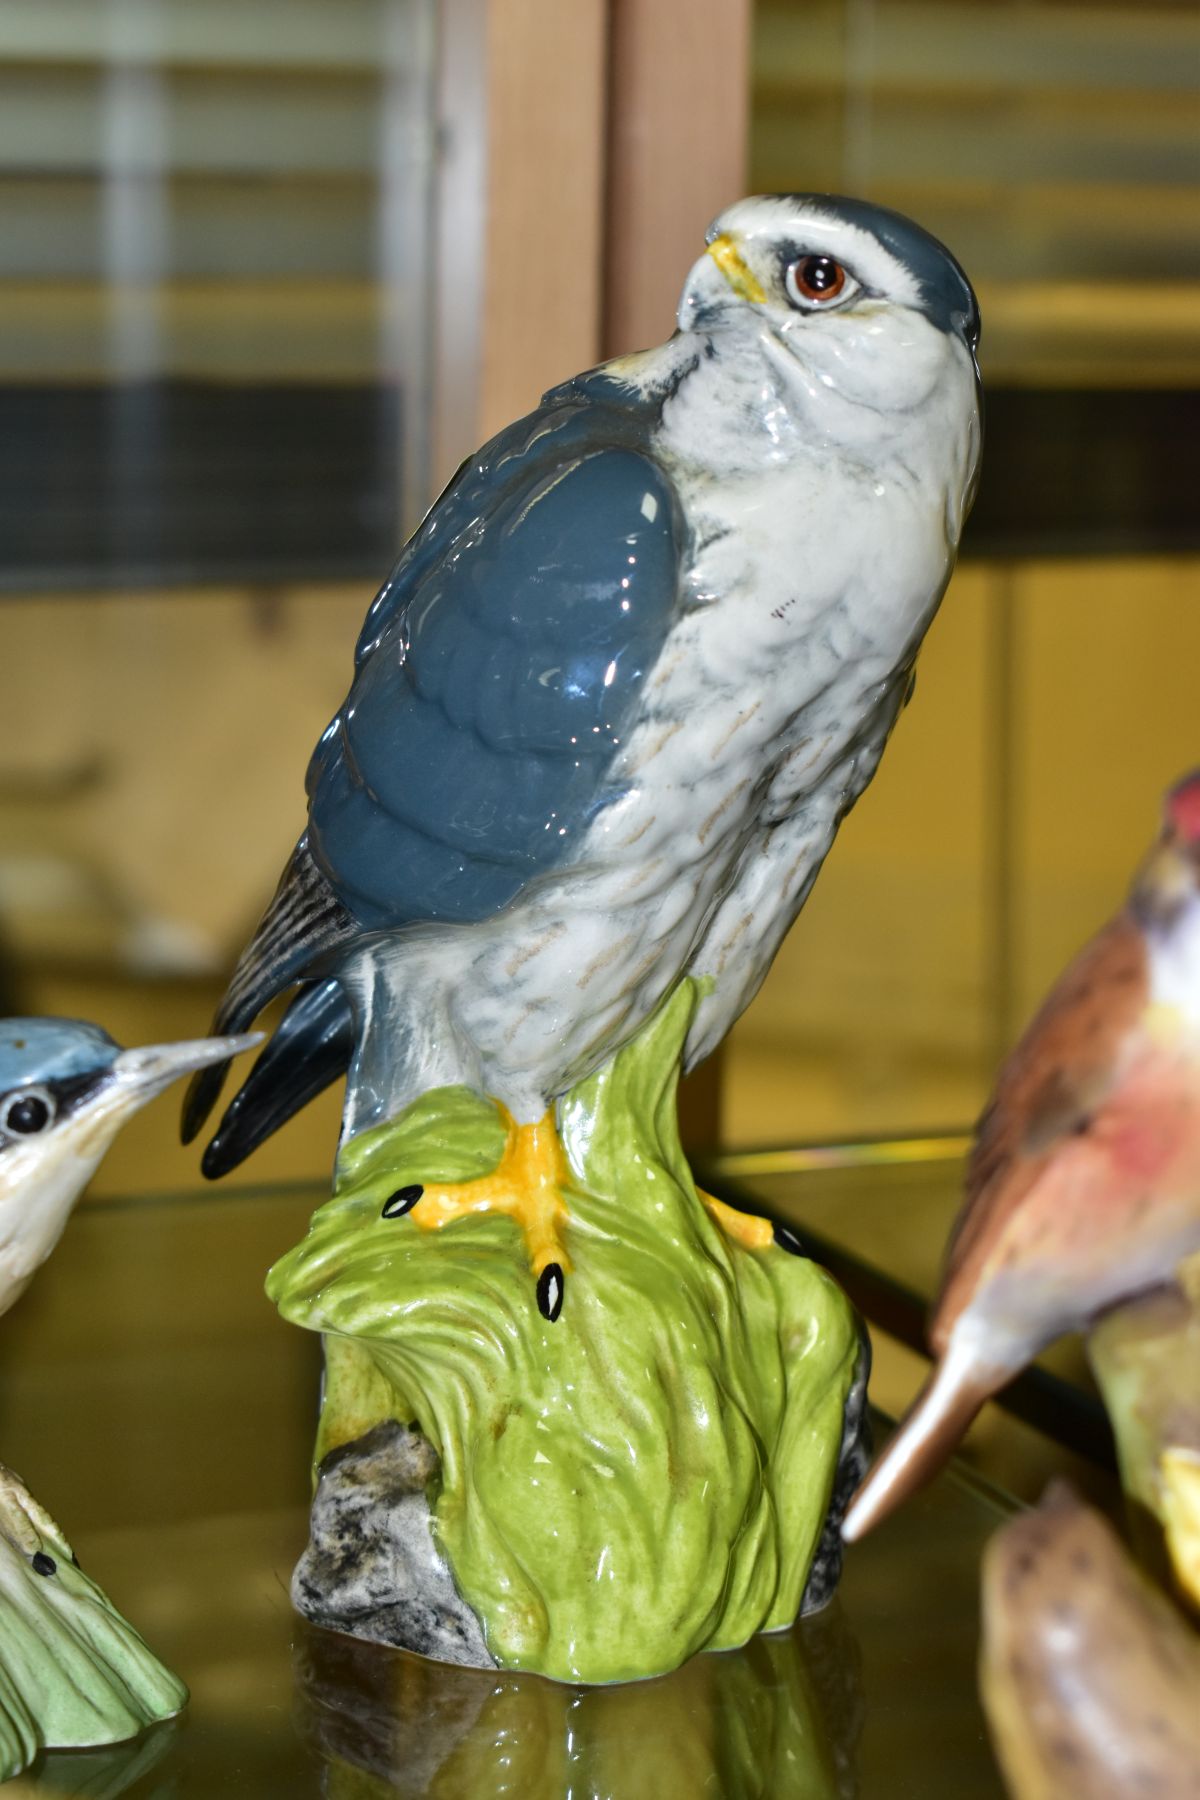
x=72, y=1671
x=606, y=715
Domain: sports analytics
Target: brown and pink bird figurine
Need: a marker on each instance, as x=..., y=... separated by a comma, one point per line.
x=1083, y=1187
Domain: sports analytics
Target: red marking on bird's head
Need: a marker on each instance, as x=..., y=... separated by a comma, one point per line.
x=1181, y=808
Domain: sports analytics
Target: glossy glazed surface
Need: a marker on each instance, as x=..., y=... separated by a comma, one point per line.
x=645, y=1476
x=547, y=796
x=605, y=721
x=52, y=1049
x=73, y=1672
x=496, y=679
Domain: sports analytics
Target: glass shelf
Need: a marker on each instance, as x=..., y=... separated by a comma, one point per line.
x=153, y=1400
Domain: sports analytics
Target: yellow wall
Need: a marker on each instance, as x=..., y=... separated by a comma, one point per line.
x=946, y=909
x=152, y=757
x=152, y=752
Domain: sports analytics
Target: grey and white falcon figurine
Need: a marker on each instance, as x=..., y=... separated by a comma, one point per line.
x=621, y=687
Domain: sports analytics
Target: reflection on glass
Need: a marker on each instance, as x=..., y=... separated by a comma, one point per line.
x=106, y=1773
x=779, y=1719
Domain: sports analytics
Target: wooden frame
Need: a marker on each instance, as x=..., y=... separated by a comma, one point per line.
x=519, y=209
x=585, y=145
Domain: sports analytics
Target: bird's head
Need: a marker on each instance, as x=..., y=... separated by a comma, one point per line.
x=1181, y=815
x=854, y=298
x=1169, y=878
x=65, y=1090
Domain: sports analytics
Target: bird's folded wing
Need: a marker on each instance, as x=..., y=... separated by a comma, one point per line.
x=496, y=676
x=498, y=681
x=1060, y=1072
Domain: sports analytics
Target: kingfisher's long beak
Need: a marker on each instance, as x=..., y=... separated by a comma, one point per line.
x=741, y=278
x=138, y=1075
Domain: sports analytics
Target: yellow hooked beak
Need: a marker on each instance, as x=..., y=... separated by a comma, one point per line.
x=741, y=279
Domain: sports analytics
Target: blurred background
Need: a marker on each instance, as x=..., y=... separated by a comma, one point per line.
x=269, y=268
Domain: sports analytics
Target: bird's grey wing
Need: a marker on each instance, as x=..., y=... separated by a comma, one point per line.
x=471, y=753
x=495, y=677
x=581, y=416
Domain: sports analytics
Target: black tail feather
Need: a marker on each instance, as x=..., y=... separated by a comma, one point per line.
x=304, y=921
x=201, y=1095
x=311, y=1048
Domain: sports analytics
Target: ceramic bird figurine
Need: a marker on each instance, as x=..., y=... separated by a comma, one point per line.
x=1089, y=1676
x=1145, y=1357
x=1083, y=1188
x=616, y=696
x=73, y=1672
x=65, y=1091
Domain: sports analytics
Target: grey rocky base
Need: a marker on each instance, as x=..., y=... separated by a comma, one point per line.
x=372, y=1569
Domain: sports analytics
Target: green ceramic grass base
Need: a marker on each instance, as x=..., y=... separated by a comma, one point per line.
x=73, y=1673
x=647, y=1476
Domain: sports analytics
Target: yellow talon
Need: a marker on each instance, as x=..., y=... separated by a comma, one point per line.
x=746, y=1229
x=527, y=1185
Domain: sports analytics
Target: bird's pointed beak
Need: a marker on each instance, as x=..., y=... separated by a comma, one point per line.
x=734, y=268
x=138, y=1075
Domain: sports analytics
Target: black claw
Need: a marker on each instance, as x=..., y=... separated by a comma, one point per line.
x=402, y=1201
x=43, y=1564
x=550, y=1290
x=787, y=1240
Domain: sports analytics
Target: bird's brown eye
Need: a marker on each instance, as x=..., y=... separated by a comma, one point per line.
x=815, y=278
x=24, y=1114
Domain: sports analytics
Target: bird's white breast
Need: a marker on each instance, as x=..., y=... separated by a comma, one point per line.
x=817, y=572
x=816, y=563
x=1174, y=966
x=40, y=1184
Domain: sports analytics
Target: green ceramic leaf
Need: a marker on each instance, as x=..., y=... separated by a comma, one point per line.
x=73, y=1673
x=647, y=1476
